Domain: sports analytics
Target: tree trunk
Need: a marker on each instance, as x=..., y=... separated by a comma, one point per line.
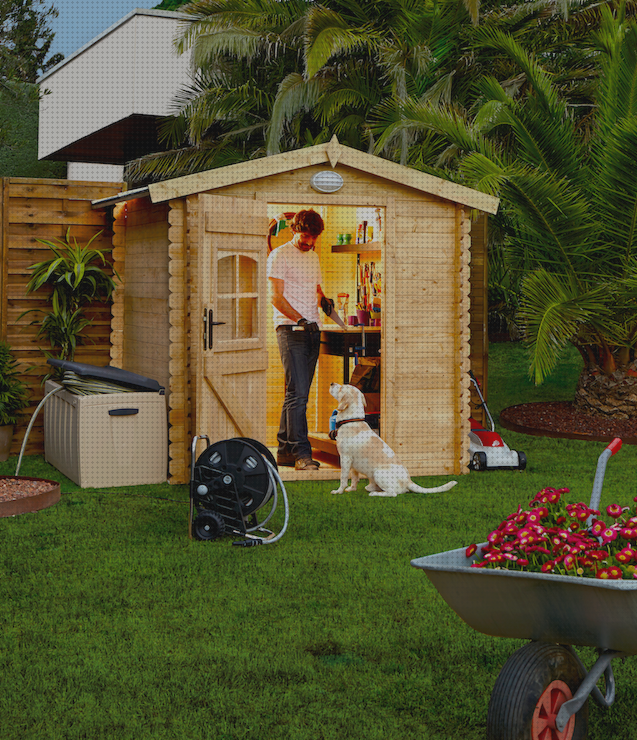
x=611, y=396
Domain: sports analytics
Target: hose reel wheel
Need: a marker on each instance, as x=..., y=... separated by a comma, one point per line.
x=236, y=464
x=208, y=525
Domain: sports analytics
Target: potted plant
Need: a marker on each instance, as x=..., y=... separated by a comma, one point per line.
x=78, y=276
x=13, y=398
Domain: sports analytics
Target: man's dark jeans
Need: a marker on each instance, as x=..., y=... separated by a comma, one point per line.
x=299, y=354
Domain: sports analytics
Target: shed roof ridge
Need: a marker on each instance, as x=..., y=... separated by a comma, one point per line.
x=275, y=164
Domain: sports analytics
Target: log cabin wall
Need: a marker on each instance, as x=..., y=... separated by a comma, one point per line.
x=426, y=342
x=140, y=312
x=151, y=312
x=478, y=312
x=32, y=209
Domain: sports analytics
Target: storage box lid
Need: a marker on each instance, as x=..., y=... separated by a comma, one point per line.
x=112, y=374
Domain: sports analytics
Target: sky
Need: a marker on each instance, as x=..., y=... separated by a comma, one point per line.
x=79, y=21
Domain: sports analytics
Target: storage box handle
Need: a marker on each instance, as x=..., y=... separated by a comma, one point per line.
x=123, y=412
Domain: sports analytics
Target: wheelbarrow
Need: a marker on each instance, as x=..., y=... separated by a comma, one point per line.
x=543, y=689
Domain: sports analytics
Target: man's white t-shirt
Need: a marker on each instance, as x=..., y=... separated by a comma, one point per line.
x=301, y=273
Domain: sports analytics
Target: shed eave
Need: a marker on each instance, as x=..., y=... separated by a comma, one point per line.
x=333, y=153
x=119, y=198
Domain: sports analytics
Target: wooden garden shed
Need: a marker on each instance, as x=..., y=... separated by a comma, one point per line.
x=192, y=251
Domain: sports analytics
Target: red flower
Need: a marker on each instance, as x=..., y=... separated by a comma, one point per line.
x=495, y=538
x=626, y=555
x=494, y=557
x=598, y=527
x=548, y=566
x=510, y=529
x=569, y=562
x=599, y=555
x=523, y=562
x=609, y=535
x=470, y=550
x=614, y=510
x=612, y=574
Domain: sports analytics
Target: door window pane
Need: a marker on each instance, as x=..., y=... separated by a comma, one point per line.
x=247, y=274
x=226, y=274
x=225, y=313
x=247, y=322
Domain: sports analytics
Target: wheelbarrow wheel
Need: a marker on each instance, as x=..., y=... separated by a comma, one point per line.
x=534, y=683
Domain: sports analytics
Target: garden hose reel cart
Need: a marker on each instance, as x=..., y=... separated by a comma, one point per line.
x=230, y=482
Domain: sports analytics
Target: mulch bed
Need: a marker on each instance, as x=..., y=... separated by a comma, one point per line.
x=561, y=419
x=20, y=495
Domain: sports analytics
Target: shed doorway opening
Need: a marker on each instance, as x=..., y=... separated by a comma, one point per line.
x=352, y=275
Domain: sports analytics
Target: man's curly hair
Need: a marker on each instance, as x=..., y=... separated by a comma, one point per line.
x=308, y=222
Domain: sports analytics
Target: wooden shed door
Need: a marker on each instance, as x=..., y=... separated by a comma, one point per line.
x=231, y=389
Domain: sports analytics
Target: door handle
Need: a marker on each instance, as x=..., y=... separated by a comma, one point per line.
x=208, y=323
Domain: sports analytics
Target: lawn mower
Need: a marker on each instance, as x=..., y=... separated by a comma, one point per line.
x=229, y=483
x=487, y=448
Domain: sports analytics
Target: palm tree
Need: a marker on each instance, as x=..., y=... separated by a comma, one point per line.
x=569, y=195
x=280, y=74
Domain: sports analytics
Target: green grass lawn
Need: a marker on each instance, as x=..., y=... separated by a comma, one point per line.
x=115, y=625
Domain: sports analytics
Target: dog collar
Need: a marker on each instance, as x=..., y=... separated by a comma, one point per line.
x=334, y=432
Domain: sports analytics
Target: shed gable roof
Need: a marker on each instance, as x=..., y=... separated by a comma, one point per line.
x=333, y=152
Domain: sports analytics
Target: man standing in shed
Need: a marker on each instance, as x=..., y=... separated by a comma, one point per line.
x=294, y=275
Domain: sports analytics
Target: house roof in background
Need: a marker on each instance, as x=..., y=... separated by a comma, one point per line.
x=109, y=30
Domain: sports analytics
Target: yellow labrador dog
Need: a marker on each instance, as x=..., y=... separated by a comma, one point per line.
x=364, y=454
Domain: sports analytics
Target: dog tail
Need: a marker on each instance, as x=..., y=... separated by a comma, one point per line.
x=417, y=489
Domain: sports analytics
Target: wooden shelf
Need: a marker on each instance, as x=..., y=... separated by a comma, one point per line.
x=357, y=248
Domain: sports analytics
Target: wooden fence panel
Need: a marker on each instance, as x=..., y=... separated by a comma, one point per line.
x=32, y=209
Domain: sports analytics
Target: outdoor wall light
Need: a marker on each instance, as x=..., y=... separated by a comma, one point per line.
x=326, y=181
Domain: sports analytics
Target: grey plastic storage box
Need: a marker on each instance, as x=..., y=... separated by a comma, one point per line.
x=104, y=440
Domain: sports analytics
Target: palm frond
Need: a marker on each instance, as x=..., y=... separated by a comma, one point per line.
x=295, y=94
x=537, y=77
x=328, y=33
x=614, y=191
x=185, y=161
x=558, y=229
x=552, y=309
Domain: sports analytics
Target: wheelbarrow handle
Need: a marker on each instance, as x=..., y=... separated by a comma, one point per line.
x=596, y=493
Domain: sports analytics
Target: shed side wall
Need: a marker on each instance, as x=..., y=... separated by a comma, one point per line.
x=478, y=312
x=431, y=343
x=145, y=329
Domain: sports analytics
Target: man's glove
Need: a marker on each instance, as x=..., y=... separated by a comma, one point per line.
x=327, y=304
x=310, y=326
